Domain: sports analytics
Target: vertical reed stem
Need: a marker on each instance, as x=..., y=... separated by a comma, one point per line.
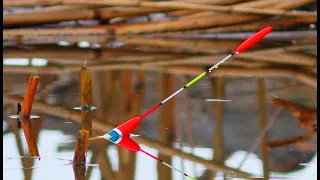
x=262, y=123
x=25, y=115
x=81, y=147
x=85, y=89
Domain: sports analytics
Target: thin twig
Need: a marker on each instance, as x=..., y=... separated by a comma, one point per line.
x=260, y=137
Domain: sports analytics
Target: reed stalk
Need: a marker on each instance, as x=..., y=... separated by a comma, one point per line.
x=182, y=12
x=218, y=90
x=213, y=2
x=166, y=121
x=72, y=13
x=258, y=4
x=182, y=5
x=262, y=121
x=81, y=147
x=288, y=141
x=279, y=55
x=307, y=78
x=86, y=99
x=290, y=4
x=191, y=45
x=173, y=25
x=26, y=113
x=188, y=123
x=76, y=55
x=277, y=23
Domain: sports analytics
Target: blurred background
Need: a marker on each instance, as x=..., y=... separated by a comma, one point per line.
x=140, y=52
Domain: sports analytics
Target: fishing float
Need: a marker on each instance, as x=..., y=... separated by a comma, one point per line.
x=121, y=135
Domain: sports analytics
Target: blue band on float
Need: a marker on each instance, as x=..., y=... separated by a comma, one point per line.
x=114, y=135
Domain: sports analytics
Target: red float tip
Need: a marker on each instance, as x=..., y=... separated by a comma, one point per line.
x=253, y=40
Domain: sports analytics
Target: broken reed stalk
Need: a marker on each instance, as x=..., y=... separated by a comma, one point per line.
x=86, y=100
x=81, y=147
x=25, y=115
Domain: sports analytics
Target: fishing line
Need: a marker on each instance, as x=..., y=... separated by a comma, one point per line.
x=166, y=164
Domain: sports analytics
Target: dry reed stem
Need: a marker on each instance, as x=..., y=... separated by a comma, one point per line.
x=307, y=78
x=123, y=112
x=191, y=45
x=182, y=12
x=277, y=23
x=276, y=4
x=49, y=36
x=127, y=87
x=290, y=4
x=228, y=9
x=304, y=111
x=136, y=28
x=189, y=126
x=129, y=55
x=184, y=5
x=25, y=162
x=105, y=166
x=288, y=141
x=300, y=37
x=81, y=147
x=258, y=4
x=182, y=24
x=286, y=88
x=71, y=13
x=307, y=117
x=166, y=125
x=30, y=3
x=25, y=115
x=262, y=121
x=218, y=90
x=279, y=55
x=313, y=97
x=179, y=135
x=212, y=2
x=98, y=125
x=67, y=54
x=99, y=146
x=86, y=99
